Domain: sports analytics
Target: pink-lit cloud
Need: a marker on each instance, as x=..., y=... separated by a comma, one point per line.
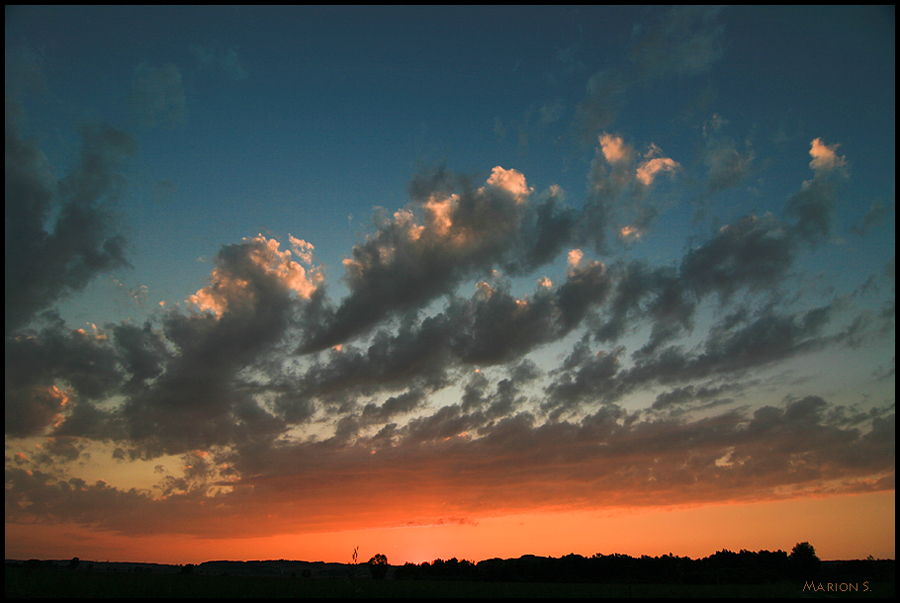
x=825, y=157
x=652, y=165
x=231, y=289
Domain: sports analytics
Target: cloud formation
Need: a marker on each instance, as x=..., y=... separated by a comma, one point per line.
x=497, y=350
x=224, y=379
x=60, y=233
x=450, y=230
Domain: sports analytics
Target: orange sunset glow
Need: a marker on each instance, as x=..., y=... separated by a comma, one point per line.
x=688, y=531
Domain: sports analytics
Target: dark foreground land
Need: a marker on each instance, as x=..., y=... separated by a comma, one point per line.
x=44, y=582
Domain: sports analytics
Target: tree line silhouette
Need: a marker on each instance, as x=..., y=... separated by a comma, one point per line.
x=723, y=567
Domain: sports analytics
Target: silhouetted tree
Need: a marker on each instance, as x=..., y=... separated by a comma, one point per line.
x=804, y=562
x=378, y=566
x=73, y=564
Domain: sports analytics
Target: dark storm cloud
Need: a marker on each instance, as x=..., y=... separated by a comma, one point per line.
x=60, y=234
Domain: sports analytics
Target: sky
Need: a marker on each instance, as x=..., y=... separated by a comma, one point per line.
x=447, y=282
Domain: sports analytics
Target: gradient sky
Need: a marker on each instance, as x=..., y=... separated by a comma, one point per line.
x=442, y=282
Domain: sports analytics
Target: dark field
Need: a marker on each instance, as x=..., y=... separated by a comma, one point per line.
x=39, y=582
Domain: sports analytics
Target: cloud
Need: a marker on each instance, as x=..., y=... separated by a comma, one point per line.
x=49, y=370
x=605, y=94
x=824, y=157
x=551, y=111
x=60, y=234
x=453, y=380
x=491, y=328
x=754, y=252
x=254, y=298
x=242, y=270
x=521, y=465
x=620, y=192
x=726, y=166
x=543, y=233
x=687, y=41
x=215, y=388
x=684, y=396
x=449, y=231
x=814, y=204
x=654, y=165
x=614, y=149
x=876, y=215
x=496, y=327
x=218, y=379
x=181, y=380
x=302, y=249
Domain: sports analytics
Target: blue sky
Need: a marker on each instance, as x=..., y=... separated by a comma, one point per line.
x=505, y=226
